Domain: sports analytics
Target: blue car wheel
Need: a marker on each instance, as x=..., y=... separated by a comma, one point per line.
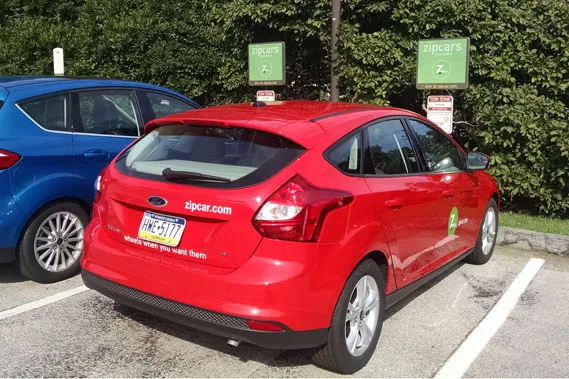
x=53, y=243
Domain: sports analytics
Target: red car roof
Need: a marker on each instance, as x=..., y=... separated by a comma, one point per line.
x=274, y=117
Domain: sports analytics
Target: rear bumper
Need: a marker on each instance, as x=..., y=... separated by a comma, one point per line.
x=227, y=326
x=7, y=254
x=280, y=283
x=12, y=220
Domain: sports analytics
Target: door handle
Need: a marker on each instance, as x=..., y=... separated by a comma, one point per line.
x=394, y=203
x=97, y=155
x=448, y=193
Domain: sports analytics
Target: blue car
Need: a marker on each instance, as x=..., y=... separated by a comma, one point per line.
x=56, y=135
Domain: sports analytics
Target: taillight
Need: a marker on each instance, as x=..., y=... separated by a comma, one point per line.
x=296, y=211
x=8, y=159
x=99, y=185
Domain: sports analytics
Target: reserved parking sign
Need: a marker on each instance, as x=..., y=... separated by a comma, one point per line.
x=267, y=64
x=443, y=63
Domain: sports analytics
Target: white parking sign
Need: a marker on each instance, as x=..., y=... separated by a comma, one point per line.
x=439, y=111
x=265, y=95
x=58, y=65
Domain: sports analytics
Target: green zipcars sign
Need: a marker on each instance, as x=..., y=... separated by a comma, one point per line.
x=267, y=64
x=443, y=63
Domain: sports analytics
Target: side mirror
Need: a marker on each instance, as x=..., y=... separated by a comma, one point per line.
x=477, y=161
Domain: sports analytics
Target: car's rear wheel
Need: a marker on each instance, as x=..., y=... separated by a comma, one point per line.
x=487, y=235
x=356, y=322
x=52, y=244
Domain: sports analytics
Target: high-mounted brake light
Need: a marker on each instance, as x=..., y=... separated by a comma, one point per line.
x=296, y=211
x=8, y=159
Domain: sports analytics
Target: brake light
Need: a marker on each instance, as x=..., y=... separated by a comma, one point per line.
x=296, y=211
x=99, y=185
x=8, y=159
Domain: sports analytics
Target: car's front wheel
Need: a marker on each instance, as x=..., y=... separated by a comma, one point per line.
x=52, y=244
x=356, y=322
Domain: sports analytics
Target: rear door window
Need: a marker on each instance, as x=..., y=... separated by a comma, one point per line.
x=107, y=112
x=49, y=112
x=208, y=156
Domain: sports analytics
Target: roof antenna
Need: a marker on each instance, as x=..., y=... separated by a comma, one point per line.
x=258, y=104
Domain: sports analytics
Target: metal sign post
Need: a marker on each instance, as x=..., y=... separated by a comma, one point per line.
x=443, y=63
x=336, y=14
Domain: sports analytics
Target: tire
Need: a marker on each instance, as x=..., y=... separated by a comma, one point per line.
x=335, y=356
x=485, y=242
x=59, y=250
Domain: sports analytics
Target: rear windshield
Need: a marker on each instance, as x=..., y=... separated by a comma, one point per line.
x=208, y=156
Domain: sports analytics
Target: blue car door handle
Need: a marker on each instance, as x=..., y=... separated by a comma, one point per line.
x=97, y=155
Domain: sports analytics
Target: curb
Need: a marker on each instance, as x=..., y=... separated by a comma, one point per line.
x=533, y=241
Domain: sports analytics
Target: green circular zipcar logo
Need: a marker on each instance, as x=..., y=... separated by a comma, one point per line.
x=452, y=221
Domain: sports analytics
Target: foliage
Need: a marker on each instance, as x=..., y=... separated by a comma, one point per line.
x=302, y=24
x=148, y=41
x=516, y=109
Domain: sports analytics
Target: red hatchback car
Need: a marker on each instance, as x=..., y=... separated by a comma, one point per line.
x=287, y=225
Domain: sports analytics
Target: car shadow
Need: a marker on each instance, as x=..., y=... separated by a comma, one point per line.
x=421, y=290
x=10, y=273
x=247, y=352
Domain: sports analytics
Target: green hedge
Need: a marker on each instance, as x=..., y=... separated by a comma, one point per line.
x=516, y=109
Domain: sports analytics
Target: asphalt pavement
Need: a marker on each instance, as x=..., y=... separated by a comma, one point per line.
x=89, y=335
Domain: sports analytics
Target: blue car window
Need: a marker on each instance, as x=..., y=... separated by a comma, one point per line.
x=49, y=112
x=164, y=105
x=111, y=112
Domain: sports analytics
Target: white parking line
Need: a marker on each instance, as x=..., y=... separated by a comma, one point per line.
x=40, y=303
x=459, y=362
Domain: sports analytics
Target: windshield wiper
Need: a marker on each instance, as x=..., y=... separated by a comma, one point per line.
x=170, y=174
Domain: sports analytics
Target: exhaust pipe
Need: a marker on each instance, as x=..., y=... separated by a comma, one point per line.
x=233, y=343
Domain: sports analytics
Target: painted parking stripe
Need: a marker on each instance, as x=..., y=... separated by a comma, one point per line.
x=459, y=362
x=40, y=303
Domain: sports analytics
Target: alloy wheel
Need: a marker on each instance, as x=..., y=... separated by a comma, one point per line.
x=58, y=242
x=362, y=315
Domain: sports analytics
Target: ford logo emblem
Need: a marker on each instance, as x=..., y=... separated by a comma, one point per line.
x=157, y=201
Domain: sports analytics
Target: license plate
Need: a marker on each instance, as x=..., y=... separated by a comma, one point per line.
x=166, y=230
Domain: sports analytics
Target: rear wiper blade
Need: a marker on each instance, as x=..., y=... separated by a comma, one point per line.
x=170, y=174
